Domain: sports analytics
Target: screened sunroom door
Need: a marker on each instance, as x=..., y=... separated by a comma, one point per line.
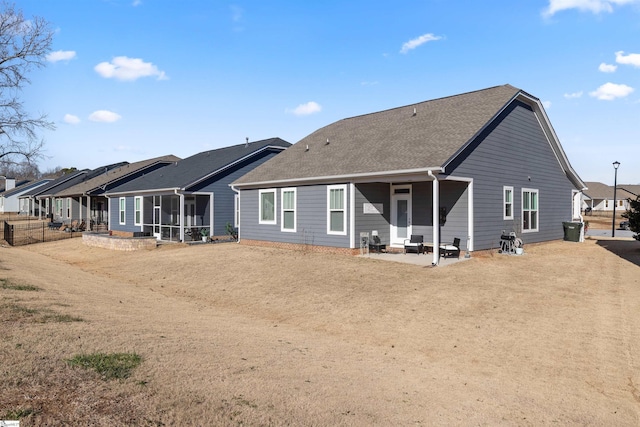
x=400, y=214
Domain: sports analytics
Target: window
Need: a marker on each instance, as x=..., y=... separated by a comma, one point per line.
x=288, y=209
x=507, y=195
x=121, y=210
x=68, y=207
x=529, y=210
x=336, y=209
x=620, y=203
x=267, y=207
x=59, y=207
x=138, y=211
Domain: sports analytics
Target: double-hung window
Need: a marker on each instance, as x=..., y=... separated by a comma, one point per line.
x=337, y=209
x=69, y=207
x=529, y=210
x=267, y=206
x=138, y=210
x=507, y=194
x=59, y=207
x=121, y=210
x=288, y=220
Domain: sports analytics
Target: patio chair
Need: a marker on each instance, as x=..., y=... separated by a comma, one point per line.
x=414, y=244
x=450, y=249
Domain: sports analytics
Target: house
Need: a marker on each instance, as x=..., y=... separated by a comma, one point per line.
x=9, y=202
x=39, y=199
x=189, y=196
x=469, y=166
x=86, y=199
x=598, y=197
x=59, y=209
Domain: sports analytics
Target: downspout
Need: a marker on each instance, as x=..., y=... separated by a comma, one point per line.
x=436, y=216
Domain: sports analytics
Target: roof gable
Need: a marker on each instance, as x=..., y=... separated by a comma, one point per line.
x=192, y=170
x=414, y=138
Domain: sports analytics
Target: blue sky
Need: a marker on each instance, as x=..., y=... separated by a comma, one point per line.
x=129, y=80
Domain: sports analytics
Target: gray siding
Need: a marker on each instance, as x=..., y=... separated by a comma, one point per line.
x=224, y=196
x=114, y=215
x=377, y=194
x=311, y=221
x=515, y=152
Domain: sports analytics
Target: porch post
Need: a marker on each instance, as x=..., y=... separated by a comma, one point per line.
x=352, y=216
x=436, y=218
x=212, y=216
x=181, y=217
x=88, y=220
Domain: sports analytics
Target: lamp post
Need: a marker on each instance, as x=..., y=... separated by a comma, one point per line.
x=615, y=185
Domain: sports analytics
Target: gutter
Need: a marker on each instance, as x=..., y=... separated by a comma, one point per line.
x=345, y=177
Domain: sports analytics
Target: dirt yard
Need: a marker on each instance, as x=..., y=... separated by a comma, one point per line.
x=235, y=335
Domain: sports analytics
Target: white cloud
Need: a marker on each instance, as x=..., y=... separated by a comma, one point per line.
x=71, y=119
x=129, y=69
x=104, y=116
x=594, y=6
x=61, y=55
x=607, y=68
x=630, y=59
x=136, y=3
x=546, y=104
x=310, y=107
x=412, y=44
x=611, y=91
x=573, y=95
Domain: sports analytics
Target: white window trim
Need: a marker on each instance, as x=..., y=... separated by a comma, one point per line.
x=530, y=230
x=137, y=199
x=344, y=210
x=504, y=202
x=69, y=207
x=295, y=209
x=275, y=205
x=122, y=210
x=236, y=210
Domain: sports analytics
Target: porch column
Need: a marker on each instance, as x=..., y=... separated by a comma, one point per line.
x=212, y=216
x=88, y=220
x=436, y=218
x=181, y=217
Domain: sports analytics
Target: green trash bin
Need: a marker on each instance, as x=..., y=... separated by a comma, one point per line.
x=572, y=231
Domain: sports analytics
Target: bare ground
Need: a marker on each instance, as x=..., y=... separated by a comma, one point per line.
x=236, y=335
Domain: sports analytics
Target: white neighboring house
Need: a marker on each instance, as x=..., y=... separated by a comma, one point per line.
x=599, y=197
x=9, y=198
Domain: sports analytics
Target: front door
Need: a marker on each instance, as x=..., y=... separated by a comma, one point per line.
x=400, y=214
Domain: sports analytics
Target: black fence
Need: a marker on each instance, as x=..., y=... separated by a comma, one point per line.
x=30, y=232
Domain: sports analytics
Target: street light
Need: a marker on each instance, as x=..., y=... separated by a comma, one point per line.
x=615, y=185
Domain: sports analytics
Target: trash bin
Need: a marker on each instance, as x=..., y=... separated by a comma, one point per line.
x=572, y=231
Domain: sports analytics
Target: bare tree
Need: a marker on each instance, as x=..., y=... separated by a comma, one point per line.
x=24, y=45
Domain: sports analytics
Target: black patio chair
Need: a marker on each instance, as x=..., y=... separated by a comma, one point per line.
x=414, y=244
x=450, y=249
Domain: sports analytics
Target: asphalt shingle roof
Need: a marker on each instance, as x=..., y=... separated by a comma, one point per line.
x=111, y=175
x=195, y=168
x=24, y=187
x=390, y=140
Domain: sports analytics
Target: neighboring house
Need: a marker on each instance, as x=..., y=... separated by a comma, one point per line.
x=9, y=202
x=633, y=190
x=598, y=197
x=87, y=199
x=194, y=193
x=468, y=166
x=40, y=199
x=57, y=208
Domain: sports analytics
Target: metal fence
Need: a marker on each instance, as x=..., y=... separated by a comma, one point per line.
x=30, y=232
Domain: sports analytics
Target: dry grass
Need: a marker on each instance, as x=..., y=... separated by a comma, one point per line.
x=232, y=335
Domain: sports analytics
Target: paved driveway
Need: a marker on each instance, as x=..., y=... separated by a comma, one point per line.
x=607, y=233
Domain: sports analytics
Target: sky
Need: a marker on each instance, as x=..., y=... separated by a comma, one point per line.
x=129, y=80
